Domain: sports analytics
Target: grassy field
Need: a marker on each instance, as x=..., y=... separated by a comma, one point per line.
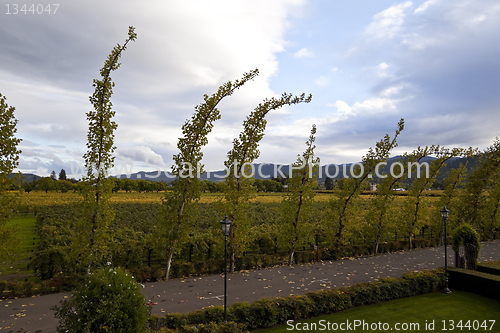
x=452, y=312
x=39, y=199
x=27, y=240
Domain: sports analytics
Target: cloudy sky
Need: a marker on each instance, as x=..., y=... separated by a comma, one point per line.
x=367, y=64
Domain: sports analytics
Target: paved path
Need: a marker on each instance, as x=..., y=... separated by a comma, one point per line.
x=184, y=295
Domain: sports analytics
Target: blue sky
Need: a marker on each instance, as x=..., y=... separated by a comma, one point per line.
x=367, y=64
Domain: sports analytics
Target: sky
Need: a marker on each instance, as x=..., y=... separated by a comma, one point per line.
x=368, y=63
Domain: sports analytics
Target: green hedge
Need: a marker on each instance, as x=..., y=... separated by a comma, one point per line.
x=489, y=267
x=480, y=283
x=29, y=288
x=269, y=312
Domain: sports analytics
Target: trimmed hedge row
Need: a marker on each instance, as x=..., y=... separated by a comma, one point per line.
x=29, y=288
x=269, y=312
x=489, y=267
x=480, y=283
x=181, y=269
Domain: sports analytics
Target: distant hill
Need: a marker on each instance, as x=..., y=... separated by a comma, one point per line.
x=270, y=170
x=27, y=177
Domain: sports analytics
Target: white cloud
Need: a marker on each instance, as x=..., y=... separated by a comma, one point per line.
x=423, y=7
x=303, y=53
x=387, y=24
x=322, y=81
x=335, y=69
x=381, y=70
x=140, y=154
x=418, y=42
x=184, y=49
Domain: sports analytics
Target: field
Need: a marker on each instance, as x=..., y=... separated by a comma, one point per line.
x=136, y=216
x=27, y=240
x=42, y=199
x=459, y=309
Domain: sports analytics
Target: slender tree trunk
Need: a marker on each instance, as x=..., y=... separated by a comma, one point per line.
x=232, y=259
x=377, y=243
x=169, y=264
x=290, y=254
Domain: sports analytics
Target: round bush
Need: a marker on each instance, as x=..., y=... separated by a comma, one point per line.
x=108, y=301
x=465, y=234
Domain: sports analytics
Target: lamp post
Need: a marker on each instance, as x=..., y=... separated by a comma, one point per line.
x=226, y=228
x=444, y=214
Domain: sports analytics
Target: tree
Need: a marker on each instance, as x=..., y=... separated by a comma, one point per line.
x=91, y=234
x=117, y=184
x=480, y=198
x=298, y=202
x=238, y=181
x=343, y=204
x=46, y=184
x=416, y=203
x=160, y=186
x=381, y=213
x=62, y=175
x=179, y=203
x=128, y=185
x=271, y=185
x=29, y=186
x=53, y=175
x=328, y=184
x=65, y=185
x=9, y=160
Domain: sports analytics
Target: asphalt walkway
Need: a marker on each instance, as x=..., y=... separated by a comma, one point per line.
x=194, y=293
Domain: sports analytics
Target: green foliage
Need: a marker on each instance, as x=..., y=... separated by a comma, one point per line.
x=465, y=234
x=90, y=238
x=343, y=204
x=480, y=283
x=480, y=200
x=62, y=174
x=298, y=203
x=9, y=160
x=451, y=194
x=329, y=184
x=46, y=184
x=268, y=185
x=239, y=189
x=491, y=267
x=177, y=219
x=417, y=205
x=9, y=157
x=109, y=301
x=382, y=214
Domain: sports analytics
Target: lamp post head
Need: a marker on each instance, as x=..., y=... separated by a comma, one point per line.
x=444, y=213
x=225, y=226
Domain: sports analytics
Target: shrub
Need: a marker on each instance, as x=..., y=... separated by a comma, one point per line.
x=109, y=301
x=480, y=283
x=492, y=267
x=465, y=234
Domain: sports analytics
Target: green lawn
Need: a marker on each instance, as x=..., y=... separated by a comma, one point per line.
x=446, y=312
x=16, y=267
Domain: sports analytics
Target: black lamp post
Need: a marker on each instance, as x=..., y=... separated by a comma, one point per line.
x=444, y=214
x=226, y=228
